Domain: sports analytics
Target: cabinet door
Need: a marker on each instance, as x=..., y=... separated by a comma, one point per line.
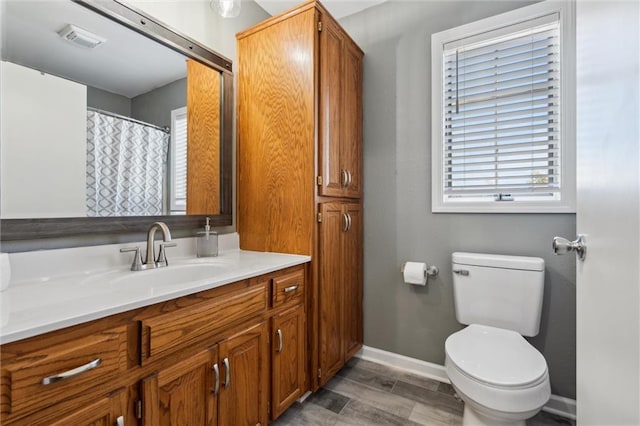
x=183, y=394
x=287, y=352
x=244, y=378
x=340, y=129
x=351, y=149
x=330, y=117
x=104, y=411
x=331, y=349
x=352, y=279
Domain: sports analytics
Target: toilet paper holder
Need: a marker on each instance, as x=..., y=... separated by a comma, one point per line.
x=431, y=271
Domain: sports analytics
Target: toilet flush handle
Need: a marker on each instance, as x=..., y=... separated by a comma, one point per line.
x=462, y=272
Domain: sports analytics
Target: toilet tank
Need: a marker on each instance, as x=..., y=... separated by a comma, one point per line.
x=499, y=291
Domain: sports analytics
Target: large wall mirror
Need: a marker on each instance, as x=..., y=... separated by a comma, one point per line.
x=110, y=120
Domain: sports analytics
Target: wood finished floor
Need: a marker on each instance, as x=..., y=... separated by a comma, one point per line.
x=364, y=393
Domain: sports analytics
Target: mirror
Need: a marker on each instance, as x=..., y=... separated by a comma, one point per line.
x=109, y=120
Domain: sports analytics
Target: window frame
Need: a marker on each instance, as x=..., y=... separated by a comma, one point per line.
x=567, y=202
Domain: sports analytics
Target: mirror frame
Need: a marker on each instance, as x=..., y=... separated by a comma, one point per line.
x=134, y=19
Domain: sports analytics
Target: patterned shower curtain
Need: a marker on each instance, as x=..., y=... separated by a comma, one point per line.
x=126, y=165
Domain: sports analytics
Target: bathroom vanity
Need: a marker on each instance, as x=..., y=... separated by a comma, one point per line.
x=157, y=347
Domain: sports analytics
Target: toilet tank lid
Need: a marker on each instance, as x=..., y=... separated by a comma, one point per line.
x=499, y=261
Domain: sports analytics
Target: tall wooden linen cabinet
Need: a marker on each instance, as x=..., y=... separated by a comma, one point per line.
x=300, y=168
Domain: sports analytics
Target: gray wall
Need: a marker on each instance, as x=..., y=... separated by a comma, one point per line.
x=155, y=106
x=107, y=101
x=399, y=225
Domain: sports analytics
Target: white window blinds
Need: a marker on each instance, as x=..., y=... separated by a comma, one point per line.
x=178, y=189
x=501, y=114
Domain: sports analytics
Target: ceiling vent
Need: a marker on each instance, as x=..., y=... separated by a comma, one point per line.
x=81, y=37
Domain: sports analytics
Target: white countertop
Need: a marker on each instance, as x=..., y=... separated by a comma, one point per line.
x=38, y=303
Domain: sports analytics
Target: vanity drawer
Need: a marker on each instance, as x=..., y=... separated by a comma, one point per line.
x=45, y=377
x=288, y=288
x=169, y=331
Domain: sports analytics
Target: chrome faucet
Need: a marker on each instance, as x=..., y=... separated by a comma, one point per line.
x=152, y=261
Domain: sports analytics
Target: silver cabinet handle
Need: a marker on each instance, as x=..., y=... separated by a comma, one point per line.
x=291, y=288
x=279, y=334
x=346, y=217
x=216, y=378
x=344, y=178
x=349, y=179
x=563, y=246
x=120, y=421
x=227, y=372
x=72, y=373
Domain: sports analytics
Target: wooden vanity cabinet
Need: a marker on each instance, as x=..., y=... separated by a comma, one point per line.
x=340, y=113
x=299, y=110
x=287, y=358
x=106, y=411
x=340, y=299
x=182, y=393
x=201, y=359
x=40, y=372
x=226, y=384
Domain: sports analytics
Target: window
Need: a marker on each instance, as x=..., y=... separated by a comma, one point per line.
x=503, y=137
x=178, y=184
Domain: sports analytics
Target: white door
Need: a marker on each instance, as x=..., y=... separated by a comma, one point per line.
x=608, y=281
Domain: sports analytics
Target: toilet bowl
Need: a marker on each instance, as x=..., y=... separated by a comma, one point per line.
x=502, y=379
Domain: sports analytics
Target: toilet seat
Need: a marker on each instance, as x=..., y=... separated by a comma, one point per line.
x=497, y=369
x=495, y=356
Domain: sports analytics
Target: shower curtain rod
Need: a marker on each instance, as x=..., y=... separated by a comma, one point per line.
x=165, y=129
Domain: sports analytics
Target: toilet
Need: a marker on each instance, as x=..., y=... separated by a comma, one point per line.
x=501, y=378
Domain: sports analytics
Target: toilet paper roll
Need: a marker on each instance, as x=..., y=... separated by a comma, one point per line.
x=5, y=271
x=415, y=273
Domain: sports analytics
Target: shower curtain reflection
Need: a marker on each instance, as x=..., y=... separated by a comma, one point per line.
x=126, y=166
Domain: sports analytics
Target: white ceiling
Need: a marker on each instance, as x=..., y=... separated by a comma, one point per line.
x=127, y=63
x=337, y=8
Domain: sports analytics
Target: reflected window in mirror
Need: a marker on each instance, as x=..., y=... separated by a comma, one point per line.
x=178, y=161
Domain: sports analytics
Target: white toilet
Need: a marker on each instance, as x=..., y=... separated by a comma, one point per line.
x=501, y=378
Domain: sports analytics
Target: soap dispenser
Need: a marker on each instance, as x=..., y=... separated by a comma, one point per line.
x=207, y=242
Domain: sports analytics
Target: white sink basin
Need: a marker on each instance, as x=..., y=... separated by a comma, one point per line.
x=171, y=275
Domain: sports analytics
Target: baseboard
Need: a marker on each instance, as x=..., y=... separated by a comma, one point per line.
x=561, y=406
x=558, y=405
x=411, y=365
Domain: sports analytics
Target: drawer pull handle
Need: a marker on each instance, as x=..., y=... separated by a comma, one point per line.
x=216, y=378
x=279, y=333
x=227, y=372
x=291, y=288
x=120, y=421
x=72, y=373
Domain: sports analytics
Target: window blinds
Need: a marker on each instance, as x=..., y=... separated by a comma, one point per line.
x=179, y=184
x=501, y=110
